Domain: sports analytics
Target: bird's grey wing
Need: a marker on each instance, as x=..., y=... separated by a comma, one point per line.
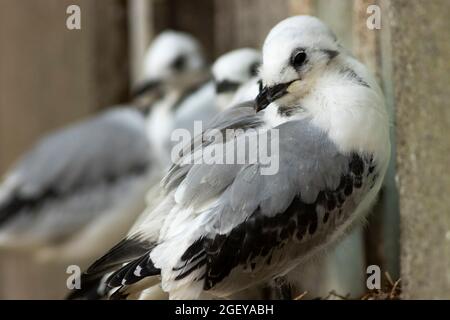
x=241, y=117
x=255, y=215
x=313, y=193
x=98, y=151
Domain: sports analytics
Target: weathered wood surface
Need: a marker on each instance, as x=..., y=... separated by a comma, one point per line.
x=420, y=32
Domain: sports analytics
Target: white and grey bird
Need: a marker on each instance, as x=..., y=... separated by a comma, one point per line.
x=233, y=80
x=177, y=58
x=78, y=189
x=171, y=54
x=201, y=103
x=222, y=228
x=231, y=73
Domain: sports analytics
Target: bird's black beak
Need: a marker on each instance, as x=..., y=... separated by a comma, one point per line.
x=269, y=94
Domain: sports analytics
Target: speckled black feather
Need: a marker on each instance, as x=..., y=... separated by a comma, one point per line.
x=259, y=235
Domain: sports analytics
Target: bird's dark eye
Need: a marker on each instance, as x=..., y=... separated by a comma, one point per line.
x=179, y=63
x=298, y=59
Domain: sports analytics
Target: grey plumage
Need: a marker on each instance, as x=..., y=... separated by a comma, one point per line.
x=311, y=184
x=222, y=228
x=255, y=220
x=71, y=176
x=79, y=189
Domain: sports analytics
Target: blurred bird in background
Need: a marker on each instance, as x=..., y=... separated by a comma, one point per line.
x=78, y=189
x=231, y=74
x=236, y=67
x=220, y=229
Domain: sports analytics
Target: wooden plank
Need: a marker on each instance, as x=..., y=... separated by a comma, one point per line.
x=194, y=16
x=420, y=60
x=246, y=23
x=141, y=32
x=109, y=51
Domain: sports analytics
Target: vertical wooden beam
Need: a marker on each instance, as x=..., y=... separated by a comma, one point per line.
x=109, y=50
x=366, y=43
x=140, y=33
x=421, y=60
x=197, y=18
x=246, y=23
x=372, y=47
x=194, y=16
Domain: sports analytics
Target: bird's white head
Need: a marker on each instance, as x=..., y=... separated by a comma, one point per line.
x=172, y=53
x=307, y=73
x=295, y=53
x=232, y=70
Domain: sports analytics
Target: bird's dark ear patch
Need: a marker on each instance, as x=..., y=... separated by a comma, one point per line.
x=254, y=69
x=331, y=53
x=179, y=63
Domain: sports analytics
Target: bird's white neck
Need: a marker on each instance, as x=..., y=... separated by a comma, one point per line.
x=352, y=113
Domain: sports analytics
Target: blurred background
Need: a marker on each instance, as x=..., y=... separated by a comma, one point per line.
x=51, y=76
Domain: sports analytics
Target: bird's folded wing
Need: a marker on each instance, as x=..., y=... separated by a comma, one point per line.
x=241, y=117
x=96, y=151
x=244, y=216
x=250, y=214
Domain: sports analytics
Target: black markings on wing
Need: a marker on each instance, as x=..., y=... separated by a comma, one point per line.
x=260, y=235
x=119, y=294
x=125, y=251
x=18, y=203
x=133, y=272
